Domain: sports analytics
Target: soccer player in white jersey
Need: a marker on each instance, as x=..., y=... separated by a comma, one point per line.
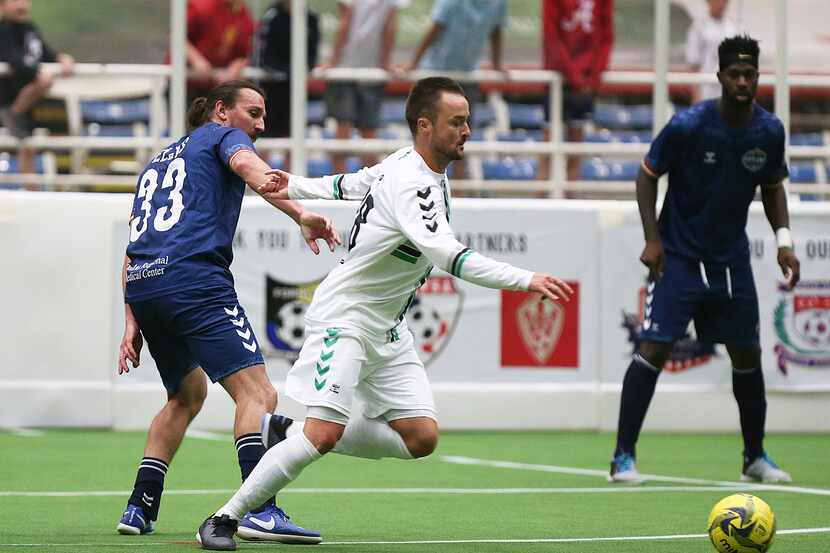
x=365, y=388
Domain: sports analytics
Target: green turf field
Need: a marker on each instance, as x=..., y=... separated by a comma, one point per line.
x=482, y=492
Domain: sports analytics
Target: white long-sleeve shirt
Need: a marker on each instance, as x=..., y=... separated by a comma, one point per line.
x=401, y=230
x=702, y=41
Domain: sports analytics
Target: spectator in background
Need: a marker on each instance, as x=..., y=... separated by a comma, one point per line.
x=365, y=38
x=219, y=36
x=577, y=37
x=23, y=48
x=705, y=34
x=455, y=40
x=275, y=54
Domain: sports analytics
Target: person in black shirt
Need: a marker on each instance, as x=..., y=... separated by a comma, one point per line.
x=22, y=46
x=275, y=54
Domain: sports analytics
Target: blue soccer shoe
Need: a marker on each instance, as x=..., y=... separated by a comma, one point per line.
x=134, y=522
x=273, y=524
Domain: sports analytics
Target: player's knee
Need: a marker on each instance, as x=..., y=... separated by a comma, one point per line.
x=323, y=436
x=269, y=398
x=424, y=442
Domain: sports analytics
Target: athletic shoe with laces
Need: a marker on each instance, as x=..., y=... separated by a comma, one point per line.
x=623, y=470
x=763, y=469
x=274, y=429
x=273, y=524
x=134, y=522
x=216, y=533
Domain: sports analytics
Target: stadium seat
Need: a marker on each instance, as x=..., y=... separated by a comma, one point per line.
x=483, y=116
x=520, y=135
x=597, y=168
x=803, y=172
x=627, y=137
x=315, y=112
x=807, y=139
x=623, y=117
x=510, y=168
x=526, y=116
x=115, y=112
x=392, y=112
x=96, y=129
x=8, y=166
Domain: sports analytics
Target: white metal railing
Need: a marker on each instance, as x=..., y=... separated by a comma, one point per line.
x=556, y=148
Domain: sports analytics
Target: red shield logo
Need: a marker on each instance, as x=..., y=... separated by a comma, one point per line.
x=536, y=333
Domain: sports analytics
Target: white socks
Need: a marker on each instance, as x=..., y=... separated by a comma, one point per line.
x=371, y=439
x=278, y=467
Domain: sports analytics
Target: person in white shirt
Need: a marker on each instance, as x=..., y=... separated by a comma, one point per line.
x=702, y=40
x=365, y=38
x=358, y=373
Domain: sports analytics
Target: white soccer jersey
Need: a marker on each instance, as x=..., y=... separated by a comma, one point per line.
x=401, y=230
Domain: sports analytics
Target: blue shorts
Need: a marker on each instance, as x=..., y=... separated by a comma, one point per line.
x=204, y=328
x=722, y=301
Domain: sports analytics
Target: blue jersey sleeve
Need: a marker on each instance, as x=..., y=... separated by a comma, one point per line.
x=776, y=169
x=665, y=148
x=232, y=142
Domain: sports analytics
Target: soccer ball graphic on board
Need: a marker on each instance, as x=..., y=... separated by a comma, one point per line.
x=741, y=523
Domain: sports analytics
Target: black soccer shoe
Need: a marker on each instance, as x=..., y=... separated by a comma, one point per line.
x=216, y=533
x=274, y=429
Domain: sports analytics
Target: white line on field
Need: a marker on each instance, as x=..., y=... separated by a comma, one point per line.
x=668, y=537
x=27, y=432
x=460, y=460
x=446, y=491
x=212, y=436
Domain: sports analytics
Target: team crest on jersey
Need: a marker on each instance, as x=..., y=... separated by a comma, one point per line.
x=687, y=352
x=754, y=160
x=433, y=316
x=285, y=307
x=802, y=325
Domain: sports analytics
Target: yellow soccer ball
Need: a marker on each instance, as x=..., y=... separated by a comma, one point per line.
x=741, y=523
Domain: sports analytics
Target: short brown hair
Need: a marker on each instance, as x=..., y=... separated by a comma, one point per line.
x=201, y=109
x=424, y=96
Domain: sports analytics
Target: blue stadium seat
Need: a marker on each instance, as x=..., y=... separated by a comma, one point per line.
x=627, y=137
x=118, y=112
x=392, y=112
x=483, y=116
x=96, y=129
x=807, y=139
x=315, y=112
x=597, y=168
x=803, y=172
x=623, y=117
x=526, y=116
x=510, y=169
x=520, y=135
x=319, y=167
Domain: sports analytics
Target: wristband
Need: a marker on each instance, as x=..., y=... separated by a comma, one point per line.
x=784, y=238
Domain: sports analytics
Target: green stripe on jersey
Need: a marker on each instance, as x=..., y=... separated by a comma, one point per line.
x=461, y=260
x=405, y=256
x=337, y=192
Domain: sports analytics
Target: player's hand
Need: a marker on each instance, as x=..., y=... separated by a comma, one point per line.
x=315, y=226
x=550, y=287
x=276, y=187
x=790, y=266
x=130, y=348
x=653, y=258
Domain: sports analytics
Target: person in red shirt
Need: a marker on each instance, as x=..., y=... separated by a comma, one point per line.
x=219, y=36
x=577, y=37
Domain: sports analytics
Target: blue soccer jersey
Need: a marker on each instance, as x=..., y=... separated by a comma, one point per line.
x=713, y=173
x=184, y=215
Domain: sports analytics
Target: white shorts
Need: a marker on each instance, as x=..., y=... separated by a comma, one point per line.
x=337, y=367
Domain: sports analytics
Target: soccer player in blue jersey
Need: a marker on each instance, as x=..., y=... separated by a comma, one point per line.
x=716, y=155
x=179, y=292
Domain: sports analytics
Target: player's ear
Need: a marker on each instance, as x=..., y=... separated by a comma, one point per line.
x=424, y=123
x=221, y=110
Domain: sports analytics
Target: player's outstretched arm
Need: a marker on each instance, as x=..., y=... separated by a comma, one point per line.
x=774, y=198
x=349, y=186
x=421, y=214
x=131, y=342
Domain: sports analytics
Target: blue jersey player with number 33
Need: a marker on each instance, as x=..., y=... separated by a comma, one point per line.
x=179, y=293
x=717, y=154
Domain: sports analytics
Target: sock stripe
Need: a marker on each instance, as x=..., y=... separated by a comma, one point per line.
x=157, y=462
x=143, y=466
x=637, y=358
x=239, y=448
